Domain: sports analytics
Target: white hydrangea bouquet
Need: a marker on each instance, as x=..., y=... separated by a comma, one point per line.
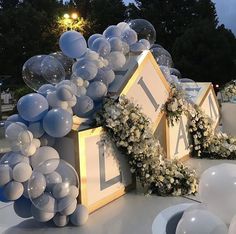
x=129, y=130
x=229, y=90
x=176, y=105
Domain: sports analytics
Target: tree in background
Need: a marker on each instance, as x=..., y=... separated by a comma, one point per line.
x=188, y=30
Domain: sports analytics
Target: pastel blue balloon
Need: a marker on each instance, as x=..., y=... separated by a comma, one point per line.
x=88, y=71
x=129, y=36
x=22, y=207
x=15, y=118
x=36, y=128
x=32, y=107
x=67, y=83
x=72, y=44
x=101, y=46
x=47, y=140
x=93, y=38
x=137, y=47
x=146, y=43
x=57, y=122
x=46, y=89
x=97, y=90
x=84, y=107
x=112, y=31
x=64, y=93
x=116, y=44
x=2, y=196
x=105, y=75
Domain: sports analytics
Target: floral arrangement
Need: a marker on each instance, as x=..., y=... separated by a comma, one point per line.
x=207, y=143
x=176, y=105
x=129, y=130
x=229, y=90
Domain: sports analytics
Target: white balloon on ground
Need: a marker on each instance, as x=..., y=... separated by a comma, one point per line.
x=5, y=174
x=116, y=60
x=201, y=221
x=13, y=190
x=217, y=190
x=67, y=205
x=79, y=216
x=97, y=90
x=232, y=226
x=22, y=172
x=46, y=202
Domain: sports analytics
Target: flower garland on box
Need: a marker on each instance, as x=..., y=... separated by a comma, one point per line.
x=176, y=105
x=205, y=142
x=229, y=90
x=129, y=129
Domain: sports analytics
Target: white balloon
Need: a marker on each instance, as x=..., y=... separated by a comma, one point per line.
x=217, y=189
x=232, y=227
x=54, y=102
x=200, y=222
x=116, y=60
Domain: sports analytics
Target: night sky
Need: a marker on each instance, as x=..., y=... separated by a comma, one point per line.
x=226, y=11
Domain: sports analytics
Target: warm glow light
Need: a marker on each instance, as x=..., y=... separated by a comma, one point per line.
x=217, y=86
x=66, y=16
x=74, y=16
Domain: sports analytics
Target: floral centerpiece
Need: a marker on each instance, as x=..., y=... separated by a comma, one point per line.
x=229, y=90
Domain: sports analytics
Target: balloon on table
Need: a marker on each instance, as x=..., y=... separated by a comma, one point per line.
x=57, y=122
x=201, y=221
x=52, y=70
x=13, y=190
x=31, y=72
x=60, y=220
x=217, y=190
x=144, y=30
x=73, y=44
x=32, y=107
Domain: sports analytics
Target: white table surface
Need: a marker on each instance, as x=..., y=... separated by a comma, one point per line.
x=131, y=214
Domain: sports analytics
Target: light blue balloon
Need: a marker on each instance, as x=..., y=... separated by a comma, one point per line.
x=15, y=118
x=73, y=44
x=137, y=47
x=32, y=107
x=64, y=93
x=84, y=107
x=67, y=83
x=116, y=44
x=97, y=90
x=36, y=128
x=47, y=140
x=105, y=75
x=57, y=122
x=46, y=89
x=112, y=31
x=88, y=71
x=146, y=43
x=93, y=38
x=101, y=46
x=129, y=36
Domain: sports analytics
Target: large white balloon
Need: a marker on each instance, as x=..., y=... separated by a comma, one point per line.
x=217, y=190
x=200, y=222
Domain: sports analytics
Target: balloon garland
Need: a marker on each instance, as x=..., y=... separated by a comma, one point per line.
x=74, y=81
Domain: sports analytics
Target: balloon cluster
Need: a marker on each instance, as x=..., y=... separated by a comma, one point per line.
x=73, y=81
x=217, y=193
